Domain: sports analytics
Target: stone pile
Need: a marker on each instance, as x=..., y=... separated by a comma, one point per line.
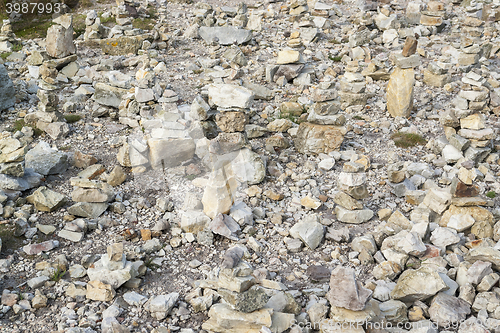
x=437, y=72
x=353, y=188
x=92, y=197
x=7, y=37
x=110, y=272
x=93, y=27
x=324, y=130
x=248, y=300
x=401, y=84
x=353, y=87
x=466, y=133
x=470, y=40
x=433, y=15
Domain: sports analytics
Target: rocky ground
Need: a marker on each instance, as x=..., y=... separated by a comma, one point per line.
x=252, y=167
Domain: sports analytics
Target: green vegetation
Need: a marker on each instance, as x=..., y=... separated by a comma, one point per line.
x=79, y=24
x=190, y=177
x=491, y=194
x=72, y=118
x=143, y=23
x=406, y=140
x=357, y=118
x=19, y=124
x=58, y=274
x=336, y=59
x=5, y=55
x=150, y=264
x=64, y=148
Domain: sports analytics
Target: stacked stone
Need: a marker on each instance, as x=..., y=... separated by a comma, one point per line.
x=324, y=130
x=352, y=186
x=352, y=86
x=298, y=7
x=246, y=305
x=12, y=157
x=112, y=271
x=162, y=12
x=7, y=37
x=466, y=200
x=124, y=13
x=402, y=81
x=91, y=196
x=464, y=126
x=437, y=73
x=433, y=15
x=93, y=27
x=470, y=40
x=222, y=152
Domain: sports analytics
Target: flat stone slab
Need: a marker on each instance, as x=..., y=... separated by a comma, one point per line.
x=225, y=35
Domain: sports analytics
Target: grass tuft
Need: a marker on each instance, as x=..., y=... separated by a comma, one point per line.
x=72, y=118
x=491, y=194
x=406, y=140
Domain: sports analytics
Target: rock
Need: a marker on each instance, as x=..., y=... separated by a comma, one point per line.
x=7, y=91
x=45, y=160
x=318, y=273
x=231, y=121
x=229, y=96
x=170, y=152
x=224, y=319
x=394, y=311
x=400, y=92
x=446, y=310
x=87, y=209
x=484, y=253
x=249, y=301
x=120, y=45
x=194, y=221
x=103, y=194
x=46, y=200
x=443, y=237
x=461, y=222
x=224, y=225
x=353, y=216
x=117, y=176
x=315, y=139
x=219, y=192
x=226, y=35
x=71, y=235
x=59, y=41
x=161, y=305
x=311, y=233
x=345, y=291
x=98, y=291
x=287, y=57
x=34, y=249
x=437, y=200
x=418, y=284
x=108, y=95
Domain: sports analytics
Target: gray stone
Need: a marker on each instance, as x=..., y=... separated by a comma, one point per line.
x=311, y=233
x=346, y=291
x=251, y=300
x=226, y=35
x=88, y=209
x=7, y=91
x=418, y=284
x=45, y=160
x=446, y=310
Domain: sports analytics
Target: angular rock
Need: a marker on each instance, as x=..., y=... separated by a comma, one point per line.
x=345, y=291
x=46, y=200
x=226, y=35
x=45, y=160
x=418, y=284
x=311, y=233
x=400, y=92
